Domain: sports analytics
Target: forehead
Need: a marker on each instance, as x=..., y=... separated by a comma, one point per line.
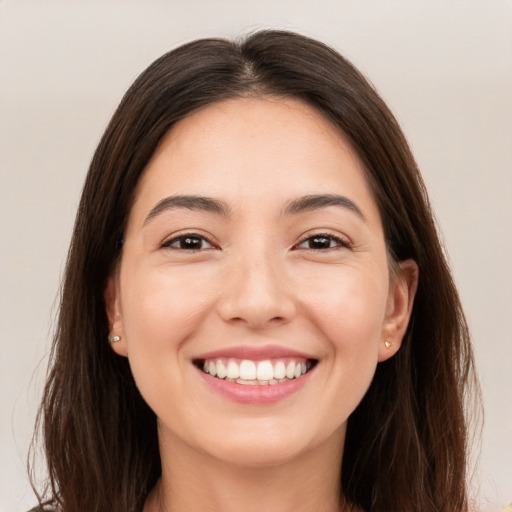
x=273, y=124
x=256, y=149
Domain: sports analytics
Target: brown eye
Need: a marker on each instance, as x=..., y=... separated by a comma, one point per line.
x=188, y=243
x=322, y=242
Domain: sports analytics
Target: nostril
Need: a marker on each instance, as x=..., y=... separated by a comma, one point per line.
x=256, y=299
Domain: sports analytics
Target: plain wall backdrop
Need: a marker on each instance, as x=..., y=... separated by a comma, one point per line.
x=444, y=67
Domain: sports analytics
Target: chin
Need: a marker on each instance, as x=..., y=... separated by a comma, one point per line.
x=260, y=454
x=264, y=446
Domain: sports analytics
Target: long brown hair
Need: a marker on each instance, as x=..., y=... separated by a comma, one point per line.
x=405, y=447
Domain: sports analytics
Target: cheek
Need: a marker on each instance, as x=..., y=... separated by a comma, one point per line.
x=347, y=311
x=161, y=309
x=349, y=308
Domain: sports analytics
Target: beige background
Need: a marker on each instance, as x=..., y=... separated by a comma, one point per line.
x=445, y=68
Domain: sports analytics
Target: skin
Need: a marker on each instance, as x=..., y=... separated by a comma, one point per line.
x=258, y=281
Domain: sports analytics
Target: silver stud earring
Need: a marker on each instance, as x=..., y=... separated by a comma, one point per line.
x=113, y=339
x=387, y=343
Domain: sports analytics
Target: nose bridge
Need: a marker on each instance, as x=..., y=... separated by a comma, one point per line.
x=257, y=292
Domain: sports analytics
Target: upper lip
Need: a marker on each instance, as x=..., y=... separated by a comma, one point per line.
x=254, y=353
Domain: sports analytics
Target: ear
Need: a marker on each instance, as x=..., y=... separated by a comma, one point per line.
x=115, y=321
x=402, y=290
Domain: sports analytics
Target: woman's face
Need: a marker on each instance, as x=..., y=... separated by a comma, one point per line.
x=255, y=251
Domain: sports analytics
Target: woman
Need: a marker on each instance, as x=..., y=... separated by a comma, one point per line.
x=256, y=312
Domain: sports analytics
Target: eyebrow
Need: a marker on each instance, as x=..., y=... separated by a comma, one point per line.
x=198, y=203
x=318, y=201
x=218, y=207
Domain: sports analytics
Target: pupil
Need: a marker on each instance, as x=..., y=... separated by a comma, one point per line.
x=320, y=242
x=191, y=243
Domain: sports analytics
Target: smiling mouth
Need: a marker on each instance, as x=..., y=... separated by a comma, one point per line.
x=256, y=373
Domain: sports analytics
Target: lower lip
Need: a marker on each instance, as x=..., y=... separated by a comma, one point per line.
x=255, y=394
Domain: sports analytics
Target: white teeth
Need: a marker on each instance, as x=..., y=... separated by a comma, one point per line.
x=261, y=373
x=221, y=370
x=247, y=382
x=233, y=371
x=265, y=370
x=290, y=370
x=247, y=370
x=279, y=370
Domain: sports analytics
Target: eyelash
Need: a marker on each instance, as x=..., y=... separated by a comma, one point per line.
x=183, y=238
x=340, y=242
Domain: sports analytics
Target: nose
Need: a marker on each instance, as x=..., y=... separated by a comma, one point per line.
x=257, y=294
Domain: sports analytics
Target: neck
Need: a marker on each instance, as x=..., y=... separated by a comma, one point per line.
x=192, y=481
